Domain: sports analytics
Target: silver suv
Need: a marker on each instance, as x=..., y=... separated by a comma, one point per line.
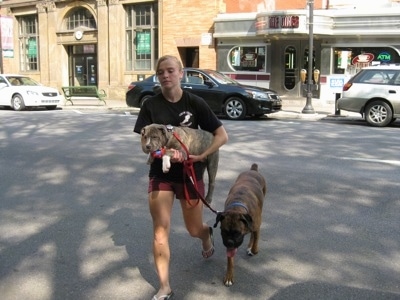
x=374, y=92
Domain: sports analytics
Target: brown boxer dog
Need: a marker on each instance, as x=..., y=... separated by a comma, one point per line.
x=242, y=215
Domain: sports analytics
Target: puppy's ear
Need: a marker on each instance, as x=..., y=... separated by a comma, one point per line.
x=219, y=218
x=162, y=129
x=143, y=131
x=247, y=220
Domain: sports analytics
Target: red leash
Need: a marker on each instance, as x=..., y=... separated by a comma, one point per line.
x=188, y=170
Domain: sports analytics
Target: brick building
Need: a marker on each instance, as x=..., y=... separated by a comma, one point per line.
x=109, y=43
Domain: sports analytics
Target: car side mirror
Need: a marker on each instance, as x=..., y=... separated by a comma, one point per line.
x=209, y=83
x=2, y=85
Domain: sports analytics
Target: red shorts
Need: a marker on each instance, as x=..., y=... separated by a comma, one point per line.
x=176, y=187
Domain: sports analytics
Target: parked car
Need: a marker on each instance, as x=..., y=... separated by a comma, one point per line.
x=374, y=92
x=224, y=95
x=19, y=92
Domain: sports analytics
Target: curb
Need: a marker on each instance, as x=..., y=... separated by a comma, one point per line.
x=288, y=112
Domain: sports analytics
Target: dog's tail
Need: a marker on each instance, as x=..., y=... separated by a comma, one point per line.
x=254, y=167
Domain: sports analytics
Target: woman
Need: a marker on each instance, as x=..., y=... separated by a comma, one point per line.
x=177, y=107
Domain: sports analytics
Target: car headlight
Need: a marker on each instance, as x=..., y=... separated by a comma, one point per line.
x=259, y=95
x=32, y=93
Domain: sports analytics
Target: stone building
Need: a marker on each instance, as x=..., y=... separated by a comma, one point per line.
x=107, y=43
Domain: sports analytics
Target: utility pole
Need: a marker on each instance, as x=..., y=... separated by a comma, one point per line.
x=308, y=109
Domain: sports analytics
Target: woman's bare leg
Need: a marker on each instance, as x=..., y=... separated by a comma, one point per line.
x=160, y=203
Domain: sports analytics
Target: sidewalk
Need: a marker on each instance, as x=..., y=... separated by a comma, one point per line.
x=291, y=108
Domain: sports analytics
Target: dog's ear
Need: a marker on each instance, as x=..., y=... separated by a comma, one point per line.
x=143, y=131
x=219, y=218
x=162, y=129
x=247, y=220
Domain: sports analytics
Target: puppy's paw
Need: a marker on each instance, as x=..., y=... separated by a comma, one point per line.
x=166, y=163
x=150, y=159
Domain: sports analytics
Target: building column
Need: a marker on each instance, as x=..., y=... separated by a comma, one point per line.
x=43, y=44
x=116, y=45
x=53, y=48
x=103, y=66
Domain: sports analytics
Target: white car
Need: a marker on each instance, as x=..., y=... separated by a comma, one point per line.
x=19, y=92
x=374, y=92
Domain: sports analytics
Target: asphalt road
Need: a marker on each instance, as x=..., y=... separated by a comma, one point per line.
x=74, y=221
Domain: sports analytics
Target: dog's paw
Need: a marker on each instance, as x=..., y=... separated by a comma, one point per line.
x=150, y=159
x=228, y=281
x=166, y=163
x=250, y=253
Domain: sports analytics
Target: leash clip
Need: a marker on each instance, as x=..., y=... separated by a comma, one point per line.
x=169, y=127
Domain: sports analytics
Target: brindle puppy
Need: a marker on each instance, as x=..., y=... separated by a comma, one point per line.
x=157, y=137
x=242, y=215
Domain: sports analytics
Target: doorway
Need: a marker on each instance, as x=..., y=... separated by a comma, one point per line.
x=189, y=56
x=287, y=69
x=83, y=65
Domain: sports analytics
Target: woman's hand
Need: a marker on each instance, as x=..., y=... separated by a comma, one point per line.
x=195, y=158
x=178, y=155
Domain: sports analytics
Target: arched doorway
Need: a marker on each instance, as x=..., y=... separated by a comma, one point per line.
x=82, y=57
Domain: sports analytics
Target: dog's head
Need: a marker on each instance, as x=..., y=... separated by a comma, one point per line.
x=153, y=137
x=234, y=226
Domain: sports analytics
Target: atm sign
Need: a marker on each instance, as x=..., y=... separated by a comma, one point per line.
x=384, y=57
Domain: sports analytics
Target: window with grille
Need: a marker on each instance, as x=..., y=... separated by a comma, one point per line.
x=141, y=36
x=80, y=17
x=29, y=43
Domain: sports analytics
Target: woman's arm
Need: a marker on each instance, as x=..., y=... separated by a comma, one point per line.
x=220, y=138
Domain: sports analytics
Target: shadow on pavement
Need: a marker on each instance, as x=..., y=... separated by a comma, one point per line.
x=319, y=290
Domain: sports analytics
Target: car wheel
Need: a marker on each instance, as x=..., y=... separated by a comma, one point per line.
x=144, y=99
x=378, y=114
x=235, y=109
x=52, y=107
x=17, y=103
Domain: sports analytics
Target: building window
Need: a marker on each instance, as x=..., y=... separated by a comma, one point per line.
x=141, y=36
x=349, y=61
x=29, y=43
x=80, y=17
x=248, y=58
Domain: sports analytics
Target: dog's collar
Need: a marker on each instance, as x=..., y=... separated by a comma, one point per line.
x=237, y=203
x=158, y=153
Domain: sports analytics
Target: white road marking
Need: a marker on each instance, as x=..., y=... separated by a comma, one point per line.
x=383, y=161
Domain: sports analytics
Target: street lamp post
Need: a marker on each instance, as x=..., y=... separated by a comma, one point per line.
x=1, y=45
x=308, y=109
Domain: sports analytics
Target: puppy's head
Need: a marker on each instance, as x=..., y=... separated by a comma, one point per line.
x=153, y=137
x=234, y=226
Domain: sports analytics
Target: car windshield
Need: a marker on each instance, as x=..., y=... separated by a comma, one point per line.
x=20, y=80
x=221, y=78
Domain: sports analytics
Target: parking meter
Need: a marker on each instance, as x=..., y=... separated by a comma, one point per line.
x=316, y=76
x=303, y=75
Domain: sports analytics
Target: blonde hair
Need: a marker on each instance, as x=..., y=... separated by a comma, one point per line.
x=166, y=57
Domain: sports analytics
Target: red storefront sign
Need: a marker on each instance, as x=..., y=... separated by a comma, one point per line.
x=276, y=22
x=363, y=58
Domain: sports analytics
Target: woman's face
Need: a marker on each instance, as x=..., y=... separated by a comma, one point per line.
x=169, y=73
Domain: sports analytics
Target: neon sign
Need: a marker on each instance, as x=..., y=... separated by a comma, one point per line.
x=384, y=57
